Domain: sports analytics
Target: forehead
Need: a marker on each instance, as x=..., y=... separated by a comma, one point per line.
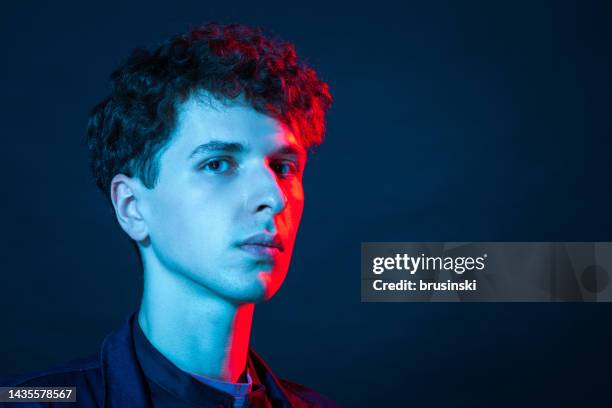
x=202, y=118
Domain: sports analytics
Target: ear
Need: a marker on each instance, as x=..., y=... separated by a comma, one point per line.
x=123, y=191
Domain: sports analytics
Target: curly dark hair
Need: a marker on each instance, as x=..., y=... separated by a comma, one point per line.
x=127, y=130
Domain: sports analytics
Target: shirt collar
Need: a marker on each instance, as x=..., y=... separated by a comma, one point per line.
x=237, y=389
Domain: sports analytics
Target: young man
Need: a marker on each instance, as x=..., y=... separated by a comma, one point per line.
x=200, y=148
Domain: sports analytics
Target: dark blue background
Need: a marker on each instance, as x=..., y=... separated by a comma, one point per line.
x=452, y=121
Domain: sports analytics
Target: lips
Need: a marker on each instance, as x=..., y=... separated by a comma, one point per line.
x=262, y=245
x=264, y=240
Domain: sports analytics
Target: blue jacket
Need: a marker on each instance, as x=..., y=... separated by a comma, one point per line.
x=113, y=378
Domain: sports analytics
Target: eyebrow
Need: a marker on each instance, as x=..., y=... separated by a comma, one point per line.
x=219, y=146
x=289, y=149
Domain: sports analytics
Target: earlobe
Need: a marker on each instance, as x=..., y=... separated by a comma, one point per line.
x=123, y=191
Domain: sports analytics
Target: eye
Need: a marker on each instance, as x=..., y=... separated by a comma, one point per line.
x=219, y=166
x=285, y=168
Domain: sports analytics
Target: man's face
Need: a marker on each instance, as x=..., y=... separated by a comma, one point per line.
x=228, y=200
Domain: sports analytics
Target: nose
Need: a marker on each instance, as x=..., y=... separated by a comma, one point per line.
x=266, y=193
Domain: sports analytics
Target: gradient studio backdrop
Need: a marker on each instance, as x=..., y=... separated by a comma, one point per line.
x=452, y=121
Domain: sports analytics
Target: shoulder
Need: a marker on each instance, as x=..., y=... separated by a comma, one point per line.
x=85, y=368
x=85, y=374
x=310, y=397
x=298, y=395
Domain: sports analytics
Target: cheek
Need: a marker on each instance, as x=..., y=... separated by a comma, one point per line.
x=296, y=214
x=296, y=201
x=186, y=221
x=292, y=214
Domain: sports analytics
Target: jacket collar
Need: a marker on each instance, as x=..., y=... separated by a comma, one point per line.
x=125, y=383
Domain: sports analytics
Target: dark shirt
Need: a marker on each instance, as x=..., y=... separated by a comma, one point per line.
x=129, y=372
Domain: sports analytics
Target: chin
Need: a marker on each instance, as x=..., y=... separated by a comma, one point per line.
x=255, y=292
x=271, y=290
x=260, y=291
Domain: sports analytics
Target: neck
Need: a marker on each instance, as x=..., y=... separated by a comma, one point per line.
x=197, y=330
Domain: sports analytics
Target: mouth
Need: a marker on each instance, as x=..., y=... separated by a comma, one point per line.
x=263, y=246
x=260, y=251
